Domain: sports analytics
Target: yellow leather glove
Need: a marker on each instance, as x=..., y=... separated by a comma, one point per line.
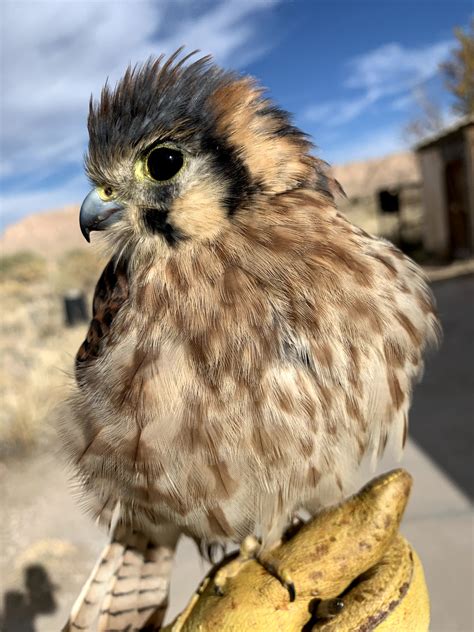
x=352, y=554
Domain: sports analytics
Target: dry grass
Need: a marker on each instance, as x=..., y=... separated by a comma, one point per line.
x=36, y=347
x=23, y=267
x=78, y=268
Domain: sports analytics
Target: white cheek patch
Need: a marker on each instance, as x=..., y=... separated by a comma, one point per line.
x=199, y=210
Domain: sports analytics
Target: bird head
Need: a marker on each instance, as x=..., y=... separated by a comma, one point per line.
x=178, y=149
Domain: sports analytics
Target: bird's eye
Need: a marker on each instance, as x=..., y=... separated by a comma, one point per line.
x=163, y=163
x=105, y=192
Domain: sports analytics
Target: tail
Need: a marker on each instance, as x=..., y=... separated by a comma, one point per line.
x=128, y=588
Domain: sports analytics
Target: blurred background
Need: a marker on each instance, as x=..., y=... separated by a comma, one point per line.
x=385, y=88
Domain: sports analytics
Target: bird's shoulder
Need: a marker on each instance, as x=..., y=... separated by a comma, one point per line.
x=111, y=292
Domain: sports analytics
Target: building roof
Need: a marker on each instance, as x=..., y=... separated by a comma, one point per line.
x=364, y=178
x=457, y=126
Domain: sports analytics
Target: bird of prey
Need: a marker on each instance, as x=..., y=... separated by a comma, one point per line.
x=249, y=345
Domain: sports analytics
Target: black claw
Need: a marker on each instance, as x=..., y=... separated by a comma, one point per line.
x=291, y=591
x=218, y=591
x=271, y=568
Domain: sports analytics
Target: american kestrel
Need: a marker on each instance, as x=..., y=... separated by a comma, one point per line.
x=249, y=345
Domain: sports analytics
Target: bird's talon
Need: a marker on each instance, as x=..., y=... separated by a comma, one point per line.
x=231, y=569
x=220, y=581
x=272, y=566
x=291, y=591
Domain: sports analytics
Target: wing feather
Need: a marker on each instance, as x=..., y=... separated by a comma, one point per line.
x=110, y=294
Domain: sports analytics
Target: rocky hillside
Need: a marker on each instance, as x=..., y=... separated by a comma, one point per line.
x=49, y=234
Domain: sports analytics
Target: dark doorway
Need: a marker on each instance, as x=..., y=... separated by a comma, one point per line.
x=458, y=218
x=389, y=201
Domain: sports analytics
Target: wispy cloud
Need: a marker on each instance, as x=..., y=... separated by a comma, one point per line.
x=18, y=203
x=393, y=67
x=388, y=71
x=335, y=113
x=402, y=103
x=371, y=144
x=57, y=52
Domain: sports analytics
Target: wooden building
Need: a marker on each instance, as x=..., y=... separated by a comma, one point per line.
x=447, y=169
x=384, y=197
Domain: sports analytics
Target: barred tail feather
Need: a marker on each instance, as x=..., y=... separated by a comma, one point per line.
x=128, y=588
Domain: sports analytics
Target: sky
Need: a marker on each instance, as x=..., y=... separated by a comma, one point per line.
x=347, y=70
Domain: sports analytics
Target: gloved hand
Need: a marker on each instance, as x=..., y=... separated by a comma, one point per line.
x=351, y=568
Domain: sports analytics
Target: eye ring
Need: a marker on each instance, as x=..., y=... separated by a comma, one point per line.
x=163, y=163
x=105, y=192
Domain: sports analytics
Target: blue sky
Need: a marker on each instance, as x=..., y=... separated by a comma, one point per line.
x=346, y=69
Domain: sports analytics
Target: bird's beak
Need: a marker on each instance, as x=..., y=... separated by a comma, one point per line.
x=97, y=214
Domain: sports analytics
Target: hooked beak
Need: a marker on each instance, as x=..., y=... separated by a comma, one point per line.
x=97, y=214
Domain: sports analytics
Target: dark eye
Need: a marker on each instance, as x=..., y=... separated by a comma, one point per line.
x=163, y=163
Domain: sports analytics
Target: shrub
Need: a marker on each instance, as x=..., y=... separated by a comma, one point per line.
x=23, y=267
x=78, y=269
